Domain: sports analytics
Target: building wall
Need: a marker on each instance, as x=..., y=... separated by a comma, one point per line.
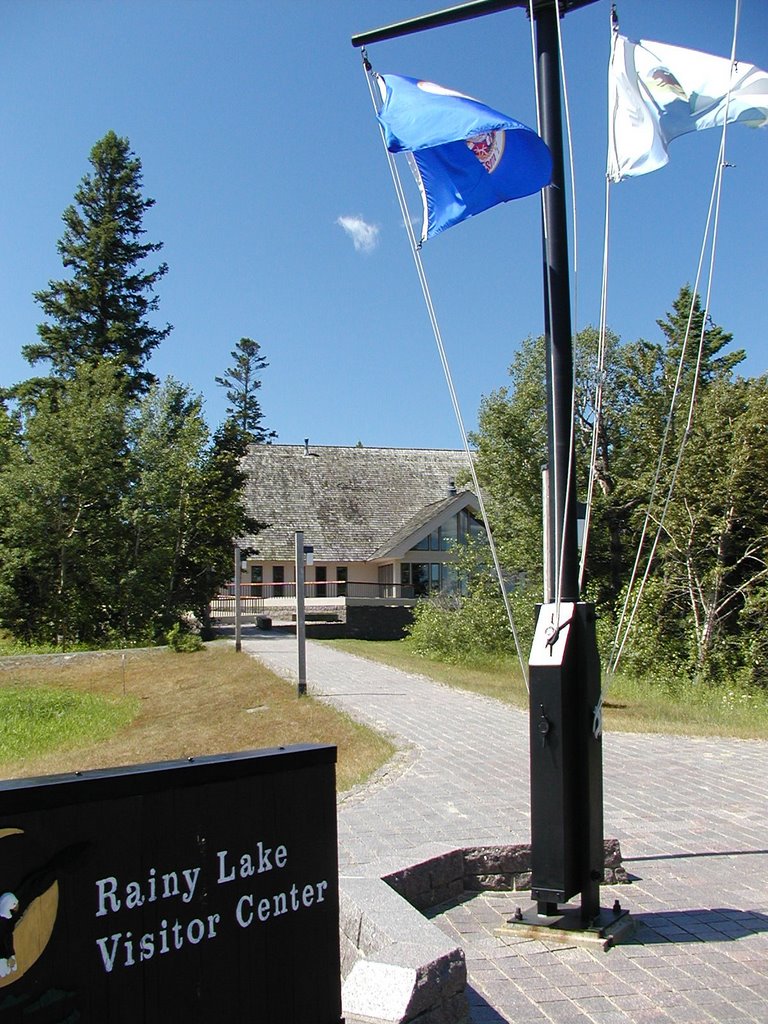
x=357, y=572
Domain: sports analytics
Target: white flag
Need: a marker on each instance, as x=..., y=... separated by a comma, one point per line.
x=658, y=92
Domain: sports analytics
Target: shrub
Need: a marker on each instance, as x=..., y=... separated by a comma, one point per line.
x=183, y=639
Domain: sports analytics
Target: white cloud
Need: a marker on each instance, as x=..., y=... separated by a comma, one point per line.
x=365, y=237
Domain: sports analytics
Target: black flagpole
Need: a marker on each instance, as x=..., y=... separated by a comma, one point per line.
x=565, y=751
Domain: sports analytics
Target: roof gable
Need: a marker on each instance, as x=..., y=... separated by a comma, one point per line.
x=424, y=522
x=349, y=501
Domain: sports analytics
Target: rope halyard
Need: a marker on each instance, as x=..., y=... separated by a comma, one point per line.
x=374, y=87
x=598, y=402
x=713, y=217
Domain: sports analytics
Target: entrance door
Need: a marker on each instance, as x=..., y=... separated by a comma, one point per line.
x=341, y=576
x=321, y=576
x=278, y=578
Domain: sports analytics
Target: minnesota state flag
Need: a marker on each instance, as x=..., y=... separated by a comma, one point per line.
x=467, y=157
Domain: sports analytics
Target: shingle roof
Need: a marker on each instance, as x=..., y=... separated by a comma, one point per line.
x=423, y=522
x=349, y=502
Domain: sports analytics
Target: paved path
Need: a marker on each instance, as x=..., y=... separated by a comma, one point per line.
x=691, y=815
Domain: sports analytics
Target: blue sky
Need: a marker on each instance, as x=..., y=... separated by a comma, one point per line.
x=254, y=126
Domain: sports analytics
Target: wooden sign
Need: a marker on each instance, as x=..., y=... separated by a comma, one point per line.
x=186, y=891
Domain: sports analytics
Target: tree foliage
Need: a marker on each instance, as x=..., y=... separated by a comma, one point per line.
x=242, y=383
x=703, y=486
x=118, y=507
x=102, y=309
x=60, y=543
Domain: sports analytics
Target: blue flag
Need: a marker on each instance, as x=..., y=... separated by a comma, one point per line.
x=467, y=156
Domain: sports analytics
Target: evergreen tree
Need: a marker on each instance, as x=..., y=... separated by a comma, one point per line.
x=686, y=320
x=9, y=433
x=102, y=309
x=242, y=383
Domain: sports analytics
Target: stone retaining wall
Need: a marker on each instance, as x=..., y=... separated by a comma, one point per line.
x=397, y=967
x=482, y=868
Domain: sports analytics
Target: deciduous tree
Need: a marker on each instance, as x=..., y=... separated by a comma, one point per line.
x=60, y=543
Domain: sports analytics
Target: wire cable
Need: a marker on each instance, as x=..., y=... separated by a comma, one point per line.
x=416, y=253
x=713, y=219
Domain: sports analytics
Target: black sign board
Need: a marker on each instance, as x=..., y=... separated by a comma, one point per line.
x=186, y=891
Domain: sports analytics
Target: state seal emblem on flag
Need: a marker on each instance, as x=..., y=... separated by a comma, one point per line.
x=488, y=148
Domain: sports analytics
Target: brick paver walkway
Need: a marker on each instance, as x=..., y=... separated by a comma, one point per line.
x=691, y=815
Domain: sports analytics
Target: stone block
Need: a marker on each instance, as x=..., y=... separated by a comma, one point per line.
x=497, y=860
x=406, y=969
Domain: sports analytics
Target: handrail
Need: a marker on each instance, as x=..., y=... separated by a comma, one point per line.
x=316, y=589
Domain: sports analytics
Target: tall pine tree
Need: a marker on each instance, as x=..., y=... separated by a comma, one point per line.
x=102, y=310
x=242, y=383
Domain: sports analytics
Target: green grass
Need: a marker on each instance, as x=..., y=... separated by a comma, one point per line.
x=117, y=708
x=37, y=720
x=630, y=705
x=11, y=647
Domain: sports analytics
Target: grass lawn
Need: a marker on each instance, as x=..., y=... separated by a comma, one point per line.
x=150, y=705
x=685, y=710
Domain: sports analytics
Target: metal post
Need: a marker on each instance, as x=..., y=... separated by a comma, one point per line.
x=301, y=629
x=566, y=757
x=238, y=600
x=557, y=311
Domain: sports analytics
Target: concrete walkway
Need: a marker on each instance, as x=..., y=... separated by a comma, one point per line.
x=691, y=816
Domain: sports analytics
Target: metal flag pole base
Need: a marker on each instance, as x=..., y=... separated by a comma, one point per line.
x=569, y=926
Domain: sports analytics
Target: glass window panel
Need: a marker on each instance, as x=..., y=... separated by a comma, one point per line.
x=420, y=574
x=449, y=580
x=434, y=577
x=476, y=528
x=449, y=533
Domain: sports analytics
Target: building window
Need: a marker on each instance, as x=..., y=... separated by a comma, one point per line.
x=420, y=578
x=434, y=578
x=449, y=580
x=341, y=576
x=257, y=574
x=321, y=576
x=459, y=529
x=449, y=533
x=278, y=579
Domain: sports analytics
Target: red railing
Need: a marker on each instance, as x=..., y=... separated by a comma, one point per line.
x=253, y=596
